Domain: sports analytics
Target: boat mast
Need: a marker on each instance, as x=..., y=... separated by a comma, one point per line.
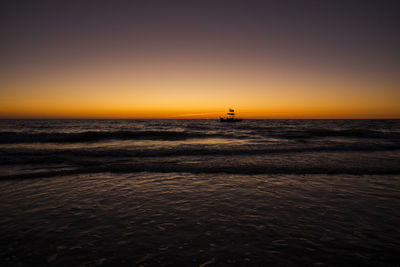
x=231, y=113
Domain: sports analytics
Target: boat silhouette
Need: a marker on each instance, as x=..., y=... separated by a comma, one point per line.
x=231, y=117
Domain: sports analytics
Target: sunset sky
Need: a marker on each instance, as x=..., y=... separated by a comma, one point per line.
x=196, y=59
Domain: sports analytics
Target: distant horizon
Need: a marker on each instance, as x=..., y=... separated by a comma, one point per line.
x=195, y=114
x=208, y=118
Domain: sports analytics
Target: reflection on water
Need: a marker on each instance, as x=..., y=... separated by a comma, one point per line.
x=126, y=144
x=159, y=219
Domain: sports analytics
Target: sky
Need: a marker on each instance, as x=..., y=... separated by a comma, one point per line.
x=196, y=59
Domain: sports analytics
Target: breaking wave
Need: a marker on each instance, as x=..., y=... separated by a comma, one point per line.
x=174, y=167
x=97, y=136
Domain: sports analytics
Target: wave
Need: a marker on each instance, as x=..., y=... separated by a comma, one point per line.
x=201, y=132
x=38, y=156
x=325, y=132
x=95, y=136
x=173, y=167
x=343, y=133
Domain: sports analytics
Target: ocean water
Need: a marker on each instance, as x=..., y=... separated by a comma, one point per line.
x=200, y=192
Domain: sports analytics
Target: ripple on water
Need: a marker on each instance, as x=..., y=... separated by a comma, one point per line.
x=156, y=219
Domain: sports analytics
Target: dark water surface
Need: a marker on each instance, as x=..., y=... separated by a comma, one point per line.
x=200, y=192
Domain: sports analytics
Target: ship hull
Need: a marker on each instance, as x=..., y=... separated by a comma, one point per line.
x=229, y=120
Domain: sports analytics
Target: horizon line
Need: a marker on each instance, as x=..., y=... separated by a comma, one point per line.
x=213, y=118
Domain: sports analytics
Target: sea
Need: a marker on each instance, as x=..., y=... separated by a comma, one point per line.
x=199, y=193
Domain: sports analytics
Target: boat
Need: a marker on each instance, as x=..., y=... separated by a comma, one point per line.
x=231, y=117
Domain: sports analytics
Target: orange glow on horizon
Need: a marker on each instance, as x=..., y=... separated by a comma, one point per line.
x=190, y=90
x=268, y=114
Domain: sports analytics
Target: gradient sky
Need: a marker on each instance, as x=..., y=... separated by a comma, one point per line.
x=188, y=59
